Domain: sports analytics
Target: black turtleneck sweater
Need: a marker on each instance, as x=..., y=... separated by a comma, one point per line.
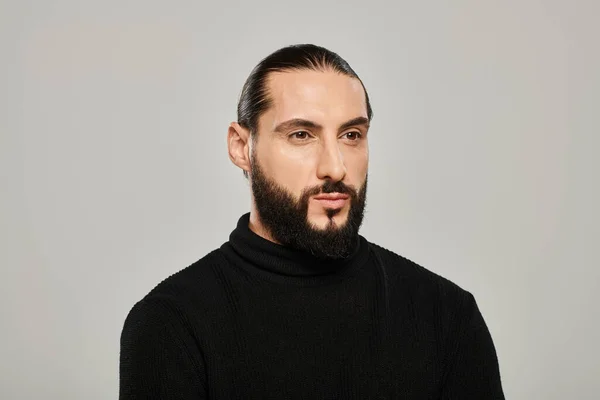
x=256, y=320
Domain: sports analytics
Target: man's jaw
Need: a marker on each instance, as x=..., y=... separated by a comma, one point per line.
x=321, y=218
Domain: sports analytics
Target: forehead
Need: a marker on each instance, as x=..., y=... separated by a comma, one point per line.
x=325, y=97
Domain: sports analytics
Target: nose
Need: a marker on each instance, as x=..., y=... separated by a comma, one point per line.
x=331, y=163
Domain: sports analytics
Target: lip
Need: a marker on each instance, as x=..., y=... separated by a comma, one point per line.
x=332, y=200
x=331, y=196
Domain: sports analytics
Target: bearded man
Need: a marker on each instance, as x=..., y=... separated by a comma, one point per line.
x=297, y=304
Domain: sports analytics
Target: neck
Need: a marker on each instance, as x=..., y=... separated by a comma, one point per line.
x=264, y=257
x=256, y=226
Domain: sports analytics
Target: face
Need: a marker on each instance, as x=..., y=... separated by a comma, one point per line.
x=309, y=164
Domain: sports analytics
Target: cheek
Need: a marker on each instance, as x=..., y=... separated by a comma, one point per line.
x=357, y=163
x=290, y=169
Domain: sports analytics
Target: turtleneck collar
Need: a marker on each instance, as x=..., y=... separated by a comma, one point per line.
x=275, y=260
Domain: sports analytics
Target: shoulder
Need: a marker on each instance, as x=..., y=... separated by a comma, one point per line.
x=430, y=296
x=418, y=280
x=199, y=277
x=190, y=287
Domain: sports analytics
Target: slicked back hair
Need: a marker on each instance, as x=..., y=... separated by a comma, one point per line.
x=255, y=99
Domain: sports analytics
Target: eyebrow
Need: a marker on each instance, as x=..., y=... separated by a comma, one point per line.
x=355, y=122
x=296, y=123
x=304, y=123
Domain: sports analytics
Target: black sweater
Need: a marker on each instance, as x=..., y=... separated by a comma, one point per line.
x=257, y=320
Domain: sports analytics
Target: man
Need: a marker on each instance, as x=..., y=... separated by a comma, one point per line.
x=298, y=305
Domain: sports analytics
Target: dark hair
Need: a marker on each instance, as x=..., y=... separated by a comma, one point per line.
x=255, y=99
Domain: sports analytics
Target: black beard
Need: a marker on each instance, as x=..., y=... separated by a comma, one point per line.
x=286, y=218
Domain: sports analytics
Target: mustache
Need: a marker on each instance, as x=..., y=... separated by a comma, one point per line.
x=330, y=187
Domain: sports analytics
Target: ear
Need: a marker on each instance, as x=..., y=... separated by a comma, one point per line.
x=238, y=145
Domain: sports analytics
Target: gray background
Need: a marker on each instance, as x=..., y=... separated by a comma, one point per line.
x=114, y=171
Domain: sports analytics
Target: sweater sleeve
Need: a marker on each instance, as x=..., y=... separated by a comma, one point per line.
x=473, y=370
x=155, y=361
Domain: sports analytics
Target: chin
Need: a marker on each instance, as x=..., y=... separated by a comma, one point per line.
x=323, y=221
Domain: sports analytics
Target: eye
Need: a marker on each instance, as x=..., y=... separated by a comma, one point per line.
x=353, y=136
x=300, y=135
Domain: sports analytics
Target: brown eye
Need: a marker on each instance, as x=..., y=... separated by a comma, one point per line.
x=353, y=135
x=299, y=135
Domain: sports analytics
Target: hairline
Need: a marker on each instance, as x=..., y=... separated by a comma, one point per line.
x=317, y=68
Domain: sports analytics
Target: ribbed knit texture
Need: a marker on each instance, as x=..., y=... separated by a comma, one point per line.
x=257, y=320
